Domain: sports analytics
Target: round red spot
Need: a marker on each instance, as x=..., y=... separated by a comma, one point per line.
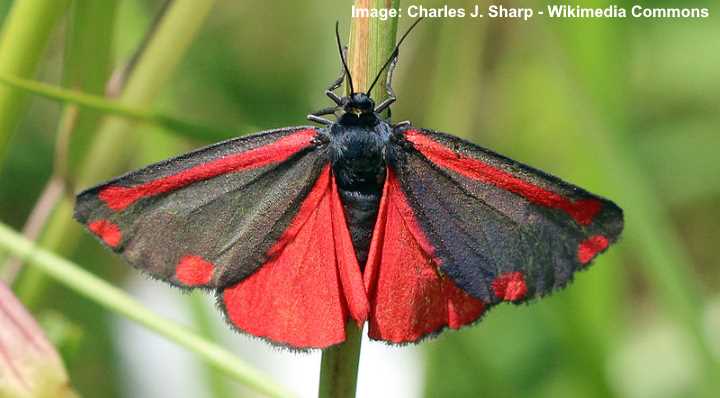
x=510, y=286
x=590, y=247
x=194, y=271
x=107, y=231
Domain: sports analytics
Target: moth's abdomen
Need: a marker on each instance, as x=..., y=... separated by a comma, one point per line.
x=361, y=209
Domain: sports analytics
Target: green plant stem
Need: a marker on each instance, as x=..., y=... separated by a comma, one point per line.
x=107, y=295
x=25, y=35
x=95, y=102
x=112, y=107
x=339, y=366
x=371, y=43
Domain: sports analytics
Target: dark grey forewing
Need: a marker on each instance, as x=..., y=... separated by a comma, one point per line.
x=481, y=231
x=229, y=221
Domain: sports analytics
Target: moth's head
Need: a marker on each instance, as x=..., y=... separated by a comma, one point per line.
x=359, y=104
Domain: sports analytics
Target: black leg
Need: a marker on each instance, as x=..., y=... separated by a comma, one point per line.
x=325, y=111
x=334, y=97
x=391, y=73
x=318, y=119
x=401, y=125
x=330, y=91
x=315, y=116
x=388, y=87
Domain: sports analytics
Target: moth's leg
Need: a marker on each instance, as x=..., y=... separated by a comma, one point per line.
x=398, y=134
x=330, y=91
x=315, y=116
x=388, y=87
x=325, y=111
x=318, y=119
x=401, y=125
x=388, y=119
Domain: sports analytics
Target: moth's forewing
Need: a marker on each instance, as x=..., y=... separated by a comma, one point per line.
x=500, y=229
x=206, y=218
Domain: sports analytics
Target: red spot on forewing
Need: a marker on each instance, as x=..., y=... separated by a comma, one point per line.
x=194, y=271
x=107, y=231
x=303, y=295
x=590, y=247
x=582, y=211
x=119, y=197
x=409, y=297
x=510, y=286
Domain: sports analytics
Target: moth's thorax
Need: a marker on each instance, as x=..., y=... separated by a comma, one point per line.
x=358, y=155
x=357, y=118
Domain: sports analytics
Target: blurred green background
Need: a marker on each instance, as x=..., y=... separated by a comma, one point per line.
x=627, y=108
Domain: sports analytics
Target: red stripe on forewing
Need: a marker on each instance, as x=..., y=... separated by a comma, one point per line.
x=311, y=282
x=118, y=197
x=409, y=298
x=582, y=211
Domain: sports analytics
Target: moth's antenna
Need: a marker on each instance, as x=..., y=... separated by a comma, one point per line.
x=394, y=53
x=342, y=57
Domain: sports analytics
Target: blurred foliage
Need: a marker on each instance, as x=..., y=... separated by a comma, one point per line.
x=627, y=108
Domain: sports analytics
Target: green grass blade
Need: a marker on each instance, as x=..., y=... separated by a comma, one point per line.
x=113, y=107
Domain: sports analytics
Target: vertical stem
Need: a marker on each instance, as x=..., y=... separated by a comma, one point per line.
x=338, y=370
x=371, y=43
x=24, y=36
x=87, y=63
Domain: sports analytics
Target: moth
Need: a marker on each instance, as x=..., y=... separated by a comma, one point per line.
x=300, y=230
